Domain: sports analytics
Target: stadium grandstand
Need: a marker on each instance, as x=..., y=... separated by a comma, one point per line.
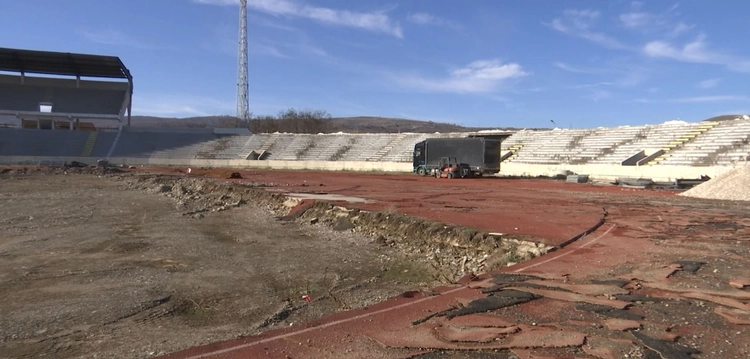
x=44, y=106
x=56, y=90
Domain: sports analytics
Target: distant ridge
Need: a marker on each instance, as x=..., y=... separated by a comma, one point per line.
x=360, y=124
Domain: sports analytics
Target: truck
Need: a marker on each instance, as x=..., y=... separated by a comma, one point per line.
x=480, y=154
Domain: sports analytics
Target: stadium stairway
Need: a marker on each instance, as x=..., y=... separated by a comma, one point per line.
x=88, y=147
x=388, y=147
x=682, y=140
x=512, y=153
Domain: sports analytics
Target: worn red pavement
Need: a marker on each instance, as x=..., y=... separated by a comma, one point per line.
x=653, y=280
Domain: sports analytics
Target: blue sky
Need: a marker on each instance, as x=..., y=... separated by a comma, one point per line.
x=477, y=63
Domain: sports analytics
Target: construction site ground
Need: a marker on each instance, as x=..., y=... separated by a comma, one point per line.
x=151, y=262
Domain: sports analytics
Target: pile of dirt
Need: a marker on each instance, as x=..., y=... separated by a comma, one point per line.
x=197, y=196
x=452, y=251
x=733, y=185
x=65, y=169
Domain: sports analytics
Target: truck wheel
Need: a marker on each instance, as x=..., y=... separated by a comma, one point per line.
x=421, y=171
x=449, y=175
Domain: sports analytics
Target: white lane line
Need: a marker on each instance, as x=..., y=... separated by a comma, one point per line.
x=568, y=252
x=326, y=325
x=322, y=326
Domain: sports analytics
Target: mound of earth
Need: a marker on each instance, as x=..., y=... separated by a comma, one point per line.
x=733, y=185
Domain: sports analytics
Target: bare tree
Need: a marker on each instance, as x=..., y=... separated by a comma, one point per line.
x=293, y=121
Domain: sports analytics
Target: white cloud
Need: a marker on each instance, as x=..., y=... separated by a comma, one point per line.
x=710, y=83
x=636, y=19
x=696, y=51
x=476, y=77
x=423, y=18
x=598, y=84
x=680, y=28
x=568, y=68
x=578, y=23
x=718, y=98
x=113, y=37
x=663, y=23
x=371, y=21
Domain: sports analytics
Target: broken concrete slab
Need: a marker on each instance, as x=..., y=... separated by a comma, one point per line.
x=424, y=337
x=616, y=282
x=727, y=302
x=734, y=316
x=609, y=348
x=498, y=300
x=621, y=325
x=638, y=298
x=546, y=338
x=650, y=275
x=575, y=297
x=609, y=311
x=740, y=283
x=667, y=350
x=343, y=224
x=475, y=335
x=586, y=289
x=690, y=266
x=480, y=320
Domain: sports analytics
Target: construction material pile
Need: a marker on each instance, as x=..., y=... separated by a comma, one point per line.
x=733, y=185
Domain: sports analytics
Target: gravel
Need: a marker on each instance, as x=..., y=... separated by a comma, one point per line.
x=733, y=185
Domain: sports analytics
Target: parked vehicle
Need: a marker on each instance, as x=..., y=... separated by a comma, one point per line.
x=480, y=155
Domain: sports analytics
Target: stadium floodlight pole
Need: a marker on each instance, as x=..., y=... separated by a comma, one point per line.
x=243, y=111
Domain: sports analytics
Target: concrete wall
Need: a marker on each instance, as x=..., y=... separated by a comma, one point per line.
x=612, y=172
x=595, y=172
x=288, y=165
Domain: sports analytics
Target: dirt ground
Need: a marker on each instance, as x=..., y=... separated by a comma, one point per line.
x=140, y=264
x=98, y=267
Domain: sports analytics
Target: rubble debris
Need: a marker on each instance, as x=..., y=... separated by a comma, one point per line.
x=667, y=350
x=483, y=320
x=609, y=348
x=102, y=163
x=75, y=164
x=546, y=338
x=617, y=282
x=727, y=302
x=235, y=175
x=622, y=325
x=638, y=298
x=475, y=335
x=586, y=289
x=734, y=316
x=608, y=311
x=494, y=301
x=740, y=283
x=575, y=297
x=690, y=266
x=343, y=224
x=731, y=185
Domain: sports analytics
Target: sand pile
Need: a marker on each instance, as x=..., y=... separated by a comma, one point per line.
x=733, y=185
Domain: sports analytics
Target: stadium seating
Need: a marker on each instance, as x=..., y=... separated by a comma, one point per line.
x=66, y=96
x=726, y=139
x=24, y=142
x=682, y=144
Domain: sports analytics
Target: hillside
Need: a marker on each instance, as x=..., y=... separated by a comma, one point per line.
x=363, y=124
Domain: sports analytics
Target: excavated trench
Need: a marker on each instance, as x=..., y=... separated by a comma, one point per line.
x=451, y=251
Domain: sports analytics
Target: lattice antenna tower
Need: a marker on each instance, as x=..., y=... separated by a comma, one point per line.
x=243, y=110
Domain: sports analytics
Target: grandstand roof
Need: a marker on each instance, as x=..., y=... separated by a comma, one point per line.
x=62, y=63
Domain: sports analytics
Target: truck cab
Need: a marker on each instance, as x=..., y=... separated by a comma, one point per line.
x=419, y=159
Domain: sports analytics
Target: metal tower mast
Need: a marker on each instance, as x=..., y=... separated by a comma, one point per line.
x=243, y=110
